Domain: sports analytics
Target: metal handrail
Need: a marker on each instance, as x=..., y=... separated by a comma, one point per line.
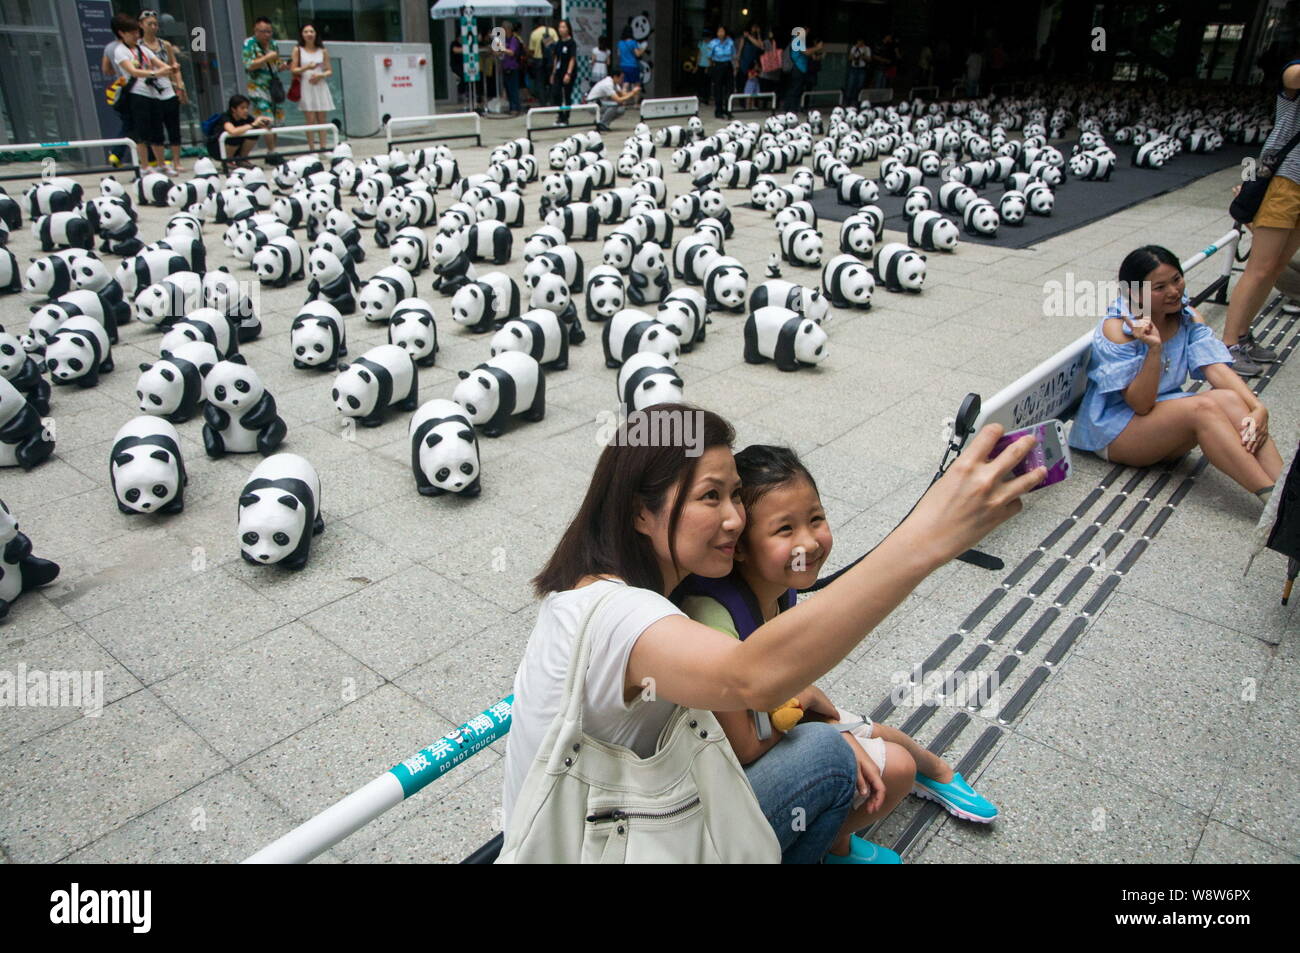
x=277, y=131
x=556, y=110
x=477, y=134
x=134, y=162
x=731, y=101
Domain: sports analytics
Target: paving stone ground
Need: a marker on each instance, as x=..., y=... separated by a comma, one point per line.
x=240, y=701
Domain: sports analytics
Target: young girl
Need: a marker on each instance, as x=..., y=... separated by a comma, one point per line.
x=785, y=542
x=751, y=84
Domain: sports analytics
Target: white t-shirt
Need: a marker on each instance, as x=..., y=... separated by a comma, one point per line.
x=603, y=90
x=123, y=54
x=539, y=682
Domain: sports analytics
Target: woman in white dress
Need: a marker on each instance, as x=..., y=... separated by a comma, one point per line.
x=311, y=64
x=600, y=60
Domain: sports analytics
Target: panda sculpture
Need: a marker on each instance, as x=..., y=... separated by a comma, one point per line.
x=899, y=268
x=648, y=279
x=1040, y=198
x=809, y=302
x=552, y=293
x=332, y=280
x=577, y=221
x=801, y=244
x=725, y=284
x=847, y=282
x=24, y=439
x=279, y=262
x=145, y=467
x=23, y=372
x=172, y=386
x=451, y=264
x=50, y=276
x=318, y=337
x=932, y=232
x=785, y=337
x=384, y=377
x=543, y=240
x=382, y=290
x=20, y=571
x=224, y=292
x=247, y=242
x=631, y=331
x=538, y=333
x=562, y=260
x=202, y=324
x=79, y=352
x=489, y=240
x=47, y=318
x=279, y=512
x=168, y=301
x=858, y=237
x=507, y=385
x=646, y=379
x=444, y=450
x=240, y=416
x=980, y=218
x=10, y=282
x=605, y=293
x=685, y=313
x=412, y=328
x=1012, y=206
x=485, y=304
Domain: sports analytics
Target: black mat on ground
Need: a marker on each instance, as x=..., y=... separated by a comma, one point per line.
x=1078, y=202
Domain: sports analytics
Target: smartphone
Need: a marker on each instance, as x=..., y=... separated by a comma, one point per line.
x=1051, y=451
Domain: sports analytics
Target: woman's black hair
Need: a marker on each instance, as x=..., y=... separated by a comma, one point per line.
x=124, y=23
x=236, y=101
x=320, y=41
x=763, y=468
x=626, y=34
x=602, y=42
x=1140, y=262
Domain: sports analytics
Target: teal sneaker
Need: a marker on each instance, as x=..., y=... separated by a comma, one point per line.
x=863, y=852
x=956, y=797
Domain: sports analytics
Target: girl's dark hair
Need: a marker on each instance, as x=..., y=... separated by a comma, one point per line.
x=602, y=537
x=603, y=42
x=236, y=101
x=320, y=42
x=1142, y=261
x=124, y=23
x=763, y=468
x=626, y=34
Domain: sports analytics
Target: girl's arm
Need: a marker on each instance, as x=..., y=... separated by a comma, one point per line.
x=236, y=130
x=327, y=67
x=694, y=665
x=1142, y=391
x=295, y=63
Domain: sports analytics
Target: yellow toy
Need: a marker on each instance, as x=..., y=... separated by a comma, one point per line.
x=786, y=716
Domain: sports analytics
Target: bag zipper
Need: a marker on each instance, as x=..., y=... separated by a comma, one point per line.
x=618, y=814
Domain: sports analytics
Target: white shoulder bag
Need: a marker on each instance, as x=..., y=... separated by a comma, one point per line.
x=588, y=801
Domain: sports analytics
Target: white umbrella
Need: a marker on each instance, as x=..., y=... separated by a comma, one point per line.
x=451, y=9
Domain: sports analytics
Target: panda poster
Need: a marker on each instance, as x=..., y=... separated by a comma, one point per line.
x=587, y=20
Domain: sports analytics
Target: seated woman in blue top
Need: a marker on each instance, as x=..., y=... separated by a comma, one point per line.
x=1135, y=410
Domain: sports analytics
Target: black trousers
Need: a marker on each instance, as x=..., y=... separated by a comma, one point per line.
x=724, y=84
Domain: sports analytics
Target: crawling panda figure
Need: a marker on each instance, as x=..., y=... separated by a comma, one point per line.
x=279, y=512
x=382, y=290
x=412, y=328
x=509, y=384
x=20, y=571
x=240, y=416
x=23, y=372
x=24, y=440
x=318, y=336
x=280, y=261
x=932, y=232
x=10, y=283
x=538, y=333
x=383, y=377
x=552, y=293
x=725, y=284
x=562, y=260
x=451, y=264
x=785, y=337
x=801, y=244
x=808, y=302
x=646, y=379
x=203, y=324
x=685, y=313
x=899, y=268
x=605, y=293
x=47, y=318
x=648, y=281
x=168, y=301
x=152, y=188
x=410, y=250
x=577, y=221
x=848, y=282
x=223, y=291
x=1012, y=206
x=691, y=257
x=79, y=352
x=981, y=218
x=444, y=450
x=1040, y=198
x=145, y=468
x=50, y=276
x=543, y=240
x=631, y=331
x=172, y=387
x=486, y=303
x=332, y=280
x=858, y=237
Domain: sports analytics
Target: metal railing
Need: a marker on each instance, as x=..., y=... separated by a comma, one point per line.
x=881, y=94
x=572, y=111
x=434, y=121
x=835, y=95
x=669, y=107
x=132, y=163
x=925, y=92
x=750, y=97
x=278, y=131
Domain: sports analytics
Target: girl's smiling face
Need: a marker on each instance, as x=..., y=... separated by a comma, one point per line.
x=787, y=538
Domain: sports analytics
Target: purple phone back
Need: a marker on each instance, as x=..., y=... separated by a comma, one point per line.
x=1036, y=457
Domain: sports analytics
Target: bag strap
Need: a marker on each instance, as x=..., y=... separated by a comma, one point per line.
x=576, y=681
x=1286, y=150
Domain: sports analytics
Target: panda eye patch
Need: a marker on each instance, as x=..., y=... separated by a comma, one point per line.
x=132, y=495
x=242, y=386
x=250, y=539
x=281, y=539
x=159, y=490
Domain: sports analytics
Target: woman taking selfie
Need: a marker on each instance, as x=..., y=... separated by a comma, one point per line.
x=652, y=515
x=1135, y=410
x=145, y=75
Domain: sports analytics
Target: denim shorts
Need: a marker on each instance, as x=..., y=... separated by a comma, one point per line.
x=805, y=785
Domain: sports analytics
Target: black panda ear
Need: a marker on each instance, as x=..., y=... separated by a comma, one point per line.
x=237, y=359
x=248, y=499
x=144, y=366
x=289, y=501
x=432, y=440
x=162, y=455
x=122, y=459
x=462, y=374
x=466, y=435
x=676, y=382
x=33, y=308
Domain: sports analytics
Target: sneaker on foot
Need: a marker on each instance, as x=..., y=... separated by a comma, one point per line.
x=863, y=852
x=1241, y=362
x=956, y=797
x=1258, y=352
x=1290, y=306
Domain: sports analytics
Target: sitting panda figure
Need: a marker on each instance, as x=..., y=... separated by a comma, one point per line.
x=79, y=352
x=451, y=264
x=279, y=261
x=383, y=377
x=605, y=293
x=382, y=290
x=332, y=280
x=847, y=282
x=279, y=512
x=646, y=379
x=801, y=244
x=538, y=333
x=631, y=331
x=485, y=304
x=23, y=372
x=648, y=281
x=899, y=268
x=550, y=291
x=725, y=284
x=506, y=385
x=685, y=313
x=172, y=387
x=224, y=292
x=20, y=571
x=345, y=227
x=412, y=328
x=444, y=450
x=24, y=439
x=203, y=324
x=145, y=467
x=240, y=416
x=117, y=225
x=932, y=232
x=318, y=336
x=785, y=337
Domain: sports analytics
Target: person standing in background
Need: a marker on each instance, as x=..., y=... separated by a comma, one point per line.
x=600, y=55
x=769, y=65
x=171, y=89
x=108, y=66
x=511, y=56
x=856, y=77
x=629, y=57
x=751, y=48
x=311, y=64
x=261, y=62
x=703, y=62
x=456, y=61
x=974, y=66
x=721, y=50
x=143, y=73
x=563, y=70
x=540, y=42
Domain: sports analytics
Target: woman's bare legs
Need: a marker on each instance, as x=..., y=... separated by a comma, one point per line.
x=1235, y=408
x=1270, y=250
x=899, y=775
x=926, y=761
x=1175, y=426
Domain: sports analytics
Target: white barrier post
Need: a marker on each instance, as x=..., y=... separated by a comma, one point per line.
x=433, y=121
x=555, y=111
x=134, y=162
x=731, y=101
x=669, y=107
x=276, y=131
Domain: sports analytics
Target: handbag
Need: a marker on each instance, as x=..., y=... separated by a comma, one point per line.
x=275, y=88
x=1245, y=206
x=295, y=90
x=770, y=61
x=588, y=801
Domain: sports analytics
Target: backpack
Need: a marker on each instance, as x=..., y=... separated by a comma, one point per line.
x=211, y=126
